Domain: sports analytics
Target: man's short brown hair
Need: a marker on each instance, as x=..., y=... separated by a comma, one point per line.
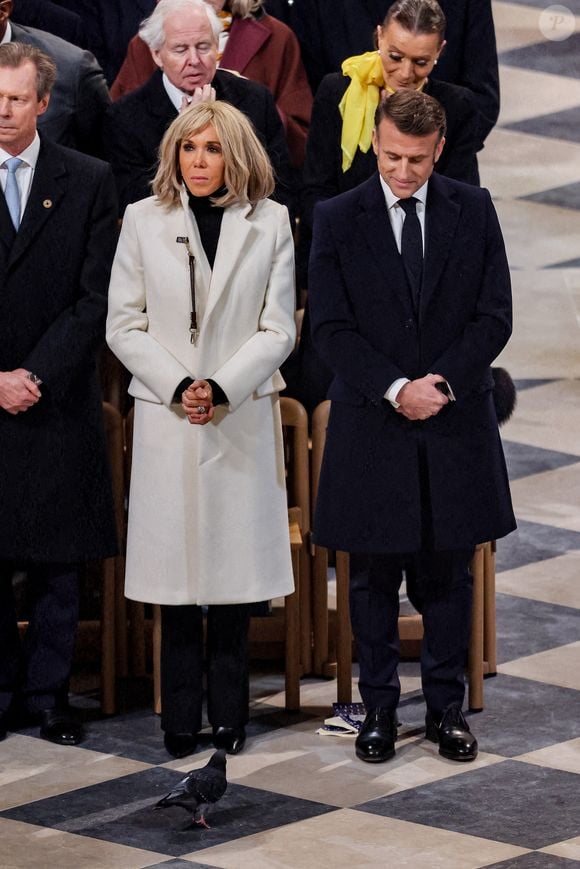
x=14, y=54
x=413, y=113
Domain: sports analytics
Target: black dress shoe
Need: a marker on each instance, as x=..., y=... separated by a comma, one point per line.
x=59, y=726
x=232, y=739
x=376, y=740
x=180, y=744
x=451, y=731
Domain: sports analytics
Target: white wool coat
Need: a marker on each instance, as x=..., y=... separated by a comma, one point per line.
x=207, y=508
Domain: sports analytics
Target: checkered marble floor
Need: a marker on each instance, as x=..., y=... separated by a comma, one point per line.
x=300, y=800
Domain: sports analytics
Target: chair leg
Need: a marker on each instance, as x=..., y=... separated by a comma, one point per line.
x=292, y=620
x=489, y=626
x=157, y=659
x=137, y=638
x=320, y=610
x=475, y=661
x=343, y=630
x=305, y=611
x=108, y=664
x=121, y=618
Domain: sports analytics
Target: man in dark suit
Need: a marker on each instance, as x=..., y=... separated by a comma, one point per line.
x=58, y=217
x=329, y=31
x=80, y=95
x=183, y=39
x=410, y=303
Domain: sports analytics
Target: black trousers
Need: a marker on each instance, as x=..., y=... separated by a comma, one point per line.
x=182, y=665
x=38, y=669
x=440, y=584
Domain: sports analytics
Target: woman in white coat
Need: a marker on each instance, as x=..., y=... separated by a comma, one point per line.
x=201, y=313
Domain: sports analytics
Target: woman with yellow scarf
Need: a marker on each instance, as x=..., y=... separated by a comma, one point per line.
x=339, y=154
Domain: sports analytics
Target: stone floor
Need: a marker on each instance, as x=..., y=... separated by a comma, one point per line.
x=300, y=800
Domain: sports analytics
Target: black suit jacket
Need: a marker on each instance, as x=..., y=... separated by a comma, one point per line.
x=331, y=30
x=136, y=123
x=79, y=97
x=56, y=502
x=323, y=175
x=49, y=16
x=365, y=330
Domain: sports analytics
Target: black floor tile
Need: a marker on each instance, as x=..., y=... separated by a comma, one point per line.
x=532, y=541
x=179, y=864
x=557, y=58
x=556, y=125
x=524, y=460
x=530, y=382
x=122, y=811
x=566, y=196
x=535, y=860
x=526, y=627
x=499, y=802
x=522, y=715
x=566, y=264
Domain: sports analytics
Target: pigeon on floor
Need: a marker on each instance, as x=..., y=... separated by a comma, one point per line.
x=199, y=789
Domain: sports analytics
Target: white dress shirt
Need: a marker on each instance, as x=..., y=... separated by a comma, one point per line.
x=397, y=218
x=24, y=173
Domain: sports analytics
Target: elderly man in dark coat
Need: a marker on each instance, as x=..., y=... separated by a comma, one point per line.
x=57, y=238
x=411, y=303
x=183, y=38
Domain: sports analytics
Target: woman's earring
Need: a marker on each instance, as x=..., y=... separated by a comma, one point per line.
x=435, y=62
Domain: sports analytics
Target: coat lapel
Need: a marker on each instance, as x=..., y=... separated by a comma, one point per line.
x=441, y=225
x=375, y=226
x=246, y=38
x=7, y=233
x=48, y=189
x=232, y=245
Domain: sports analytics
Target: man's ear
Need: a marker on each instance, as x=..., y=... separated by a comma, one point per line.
x=439, y=149
x=375, y=141
x=156, y=58
x=43, y=104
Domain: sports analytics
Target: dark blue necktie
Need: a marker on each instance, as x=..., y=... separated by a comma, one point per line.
x=412, y=248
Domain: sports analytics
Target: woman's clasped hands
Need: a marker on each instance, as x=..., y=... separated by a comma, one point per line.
x=197, y=402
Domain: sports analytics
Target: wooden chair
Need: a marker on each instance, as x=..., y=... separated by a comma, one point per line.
x=285, y=621
x=482, y=657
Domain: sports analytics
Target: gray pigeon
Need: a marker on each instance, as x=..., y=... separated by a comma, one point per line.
x=199, y=789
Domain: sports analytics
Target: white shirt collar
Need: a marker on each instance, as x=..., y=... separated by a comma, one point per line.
x=7, y=35
x=391, y=199
x=175, y=94
x=29, y=155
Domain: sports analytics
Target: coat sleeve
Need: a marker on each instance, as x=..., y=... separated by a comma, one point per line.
x=65, y=350
x=127, y=320
x=480, y=71
x=259, y=357
x=132, y=165
x=335, y=332
x=92, y=102
x=464, y=138
x=465, y=362
x=323, y=155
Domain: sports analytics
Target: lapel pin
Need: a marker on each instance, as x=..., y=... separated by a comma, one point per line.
x=47, y=203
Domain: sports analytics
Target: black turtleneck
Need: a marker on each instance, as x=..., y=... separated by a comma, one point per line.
x=209, y=222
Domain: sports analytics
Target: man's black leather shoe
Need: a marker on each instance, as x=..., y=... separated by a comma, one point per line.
x=451, y=731
x=59, y=726
x=376, y=740
x=232, y=739
x=180, y=744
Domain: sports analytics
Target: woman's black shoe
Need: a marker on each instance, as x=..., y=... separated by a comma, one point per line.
x=232, y=739
x=180, y=744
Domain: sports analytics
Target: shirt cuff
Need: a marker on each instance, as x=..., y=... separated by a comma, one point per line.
x=218, y=395
x=185, y=384
x=394, y=389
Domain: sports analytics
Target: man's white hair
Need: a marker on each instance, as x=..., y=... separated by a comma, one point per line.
x=152, y=29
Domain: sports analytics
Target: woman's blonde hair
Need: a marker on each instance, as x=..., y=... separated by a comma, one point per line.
x=248, y=172
x=245, y=8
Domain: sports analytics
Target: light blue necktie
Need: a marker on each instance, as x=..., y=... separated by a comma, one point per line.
x=12, y=193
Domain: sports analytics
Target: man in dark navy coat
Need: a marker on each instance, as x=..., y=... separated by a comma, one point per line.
x=58, y=218
x=183, y=38
x=410, y=303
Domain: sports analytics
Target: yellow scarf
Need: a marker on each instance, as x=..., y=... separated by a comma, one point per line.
x=359, y=103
